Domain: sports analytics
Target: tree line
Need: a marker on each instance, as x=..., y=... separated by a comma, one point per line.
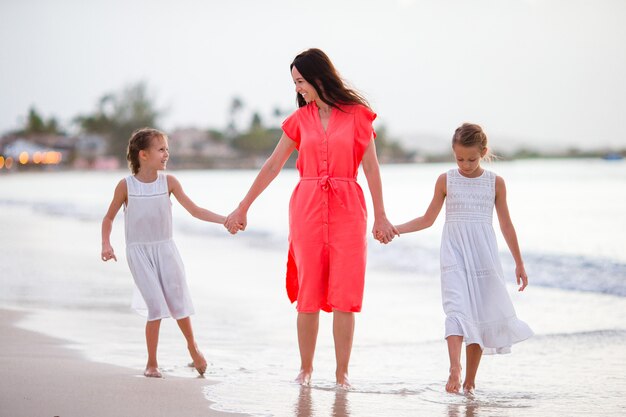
x=118, y=114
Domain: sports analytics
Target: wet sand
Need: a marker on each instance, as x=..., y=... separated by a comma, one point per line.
x=42, y=376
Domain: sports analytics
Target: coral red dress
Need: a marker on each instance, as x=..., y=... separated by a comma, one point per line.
x=327, y=213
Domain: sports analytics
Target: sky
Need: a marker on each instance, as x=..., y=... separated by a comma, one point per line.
x=539, y=74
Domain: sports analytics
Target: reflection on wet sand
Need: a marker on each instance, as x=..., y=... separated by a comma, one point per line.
x=304, y=406
x=469, y=409
x=341, y=406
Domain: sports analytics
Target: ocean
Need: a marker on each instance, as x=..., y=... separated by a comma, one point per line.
x=569, y=217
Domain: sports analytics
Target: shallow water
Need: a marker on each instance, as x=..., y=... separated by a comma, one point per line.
x=569, y=219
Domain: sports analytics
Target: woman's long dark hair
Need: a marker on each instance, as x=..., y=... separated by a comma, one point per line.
x=317, y=70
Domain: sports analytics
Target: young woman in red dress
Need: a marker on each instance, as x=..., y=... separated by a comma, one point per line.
x=332, y=131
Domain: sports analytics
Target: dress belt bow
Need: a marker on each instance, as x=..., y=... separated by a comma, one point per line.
x=326, y=182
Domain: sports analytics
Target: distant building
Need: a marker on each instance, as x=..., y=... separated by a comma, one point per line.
x=195, y=148
x=91, y=146
x=33, y=151
x=192, y=142
x=16, y=147
x=91, y=153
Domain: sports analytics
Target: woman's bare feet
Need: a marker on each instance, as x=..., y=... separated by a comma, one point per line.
x=454, y=380
x=304, y=378
x=198, y=360
x=343, y=382
x=152, y=372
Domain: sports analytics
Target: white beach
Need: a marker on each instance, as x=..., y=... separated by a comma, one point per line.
x=42, y=376
x=52, y=276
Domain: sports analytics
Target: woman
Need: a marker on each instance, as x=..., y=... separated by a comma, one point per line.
x=332, y=130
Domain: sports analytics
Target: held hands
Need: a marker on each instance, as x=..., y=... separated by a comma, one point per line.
x=384, y=231
x=107, y=253
x=236, y=221
x=521, y=277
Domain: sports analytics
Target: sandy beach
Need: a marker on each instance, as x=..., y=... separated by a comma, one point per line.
x=71, y=345
x=41, y=376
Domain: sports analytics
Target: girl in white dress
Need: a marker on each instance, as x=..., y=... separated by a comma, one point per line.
x=152, y=256
x=475, y=299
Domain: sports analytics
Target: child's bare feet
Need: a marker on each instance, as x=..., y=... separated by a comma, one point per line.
x=454, y=380
x=198, y=360
x=200, y=363
x=152, y=372
x=304, y=378
x=468, y=389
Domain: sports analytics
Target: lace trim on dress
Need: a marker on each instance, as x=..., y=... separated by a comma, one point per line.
x=478, y=273
x=144, y=195
x=450, y=268
x=484, y=273
x=470, y=199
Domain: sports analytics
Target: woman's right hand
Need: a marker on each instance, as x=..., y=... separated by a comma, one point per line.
x=236, y=221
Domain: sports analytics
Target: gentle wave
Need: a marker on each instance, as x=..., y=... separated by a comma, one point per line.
x=568, y=272
x=60, y=209
x=595, y=335
x=578, y=273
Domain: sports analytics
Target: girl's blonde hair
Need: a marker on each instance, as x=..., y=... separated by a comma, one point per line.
x=470, y=134
x=140, y=140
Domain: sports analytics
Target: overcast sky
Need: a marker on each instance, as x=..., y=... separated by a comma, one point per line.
x=538, y=73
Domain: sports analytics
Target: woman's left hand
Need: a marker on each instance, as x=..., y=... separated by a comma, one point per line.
x=384, y=231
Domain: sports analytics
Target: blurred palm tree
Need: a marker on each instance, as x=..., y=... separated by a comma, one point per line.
x=117, y=115
x=36, y=125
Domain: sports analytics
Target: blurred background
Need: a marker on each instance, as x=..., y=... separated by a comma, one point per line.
x=544, y=78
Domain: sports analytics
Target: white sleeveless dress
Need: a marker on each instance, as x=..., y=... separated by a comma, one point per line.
x=475, y=298
x=152, y=256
